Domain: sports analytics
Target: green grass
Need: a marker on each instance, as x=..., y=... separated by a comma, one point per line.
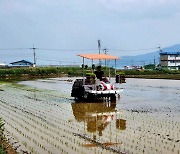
x=2, y=82
x=39, y=71
x=154, y=74
x=2, y=149
x=45, y=72
x=1, y=129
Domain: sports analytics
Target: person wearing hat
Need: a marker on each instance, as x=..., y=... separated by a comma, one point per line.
x=99, y=73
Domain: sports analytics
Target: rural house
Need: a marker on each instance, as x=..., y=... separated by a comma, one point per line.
x=21, y=63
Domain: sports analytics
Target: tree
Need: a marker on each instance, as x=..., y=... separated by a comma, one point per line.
x=150, y=66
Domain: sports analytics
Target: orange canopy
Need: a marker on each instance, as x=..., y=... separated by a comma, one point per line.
x=98, y=56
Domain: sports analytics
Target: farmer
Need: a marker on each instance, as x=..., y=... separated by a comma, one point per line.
x=99, y=73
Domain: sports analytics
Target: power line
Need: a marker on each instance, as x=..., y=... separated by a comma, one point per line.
x=49, y=49
x=119, y=62
x=67, y=49
x=99, y=45
x=134, y=49
x=79, y=49
x=14, y=48
x=52, y=60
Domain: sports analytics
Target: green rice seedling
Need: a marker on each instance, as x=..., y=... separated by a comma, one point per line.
x=2, y=148
x=1, y=129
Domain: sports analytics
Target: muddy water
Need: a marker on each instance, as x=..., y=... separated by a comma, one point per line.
x=148, y=95
x=43, y=118
x=153, y=96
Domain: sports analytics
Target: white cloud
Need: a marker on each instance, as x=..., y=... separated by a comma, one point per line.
x=14, y=6
x=141, y=6
x=25, y=6
x=73, y=23
x=129, y=3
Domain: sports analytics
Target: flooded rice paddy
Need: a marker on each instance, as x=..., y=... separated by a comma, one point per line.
x=41, y=117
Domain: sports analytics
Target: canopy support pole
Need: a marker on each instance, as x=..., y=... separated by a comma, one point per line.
x=109, y=72
x=91, y=65
x=115, y=67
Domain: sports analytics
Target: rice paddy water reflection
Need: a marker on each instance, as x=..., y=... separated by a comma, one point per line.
x=43, y=118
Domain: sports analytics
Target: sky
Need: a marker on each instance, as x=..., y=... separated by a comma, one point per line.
x=74, y=26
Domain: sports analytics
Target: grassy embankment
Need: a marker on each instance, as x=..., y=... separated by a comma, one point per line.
x=44, y=72
x=38, y=72
x=154, y=74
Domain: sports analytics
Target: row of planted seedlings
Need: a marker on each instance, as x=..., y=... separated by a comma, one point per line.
x=16, y=127
x=150, y=128
x=40, y=107
x=152, y=139
x=62, y=109
x=134, y=134
x=9, y=130
x=141, y=135
x=133, y=124
x=78, y=129
x=45, y=92
x=28, y=126
x=29, y=104
x=161, y=127
x=72, y=127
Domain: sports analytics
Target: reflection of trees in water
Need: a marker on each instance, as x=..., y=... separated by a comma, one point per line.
x=97, y=116
x=98, y=123
x=121, y=124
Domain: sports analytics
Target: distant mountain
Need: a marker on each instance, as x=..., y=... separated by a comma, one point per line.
x=145, y=59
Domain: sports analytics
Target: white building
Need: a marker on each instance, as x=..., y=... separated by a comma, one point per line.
x=170, y=60
x=2, y=65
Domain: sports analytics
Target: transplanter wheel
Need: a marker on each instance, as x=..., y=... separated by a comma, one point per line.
x=113, y=97
x=86, y=95
x=91, y=97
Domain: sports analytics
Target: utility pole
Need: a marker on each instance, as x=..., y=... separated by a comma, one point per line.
x=34, y=54
x=175, y=61
x=160, y=51
x=154, y=61
x=99, y=46
x=105, y=51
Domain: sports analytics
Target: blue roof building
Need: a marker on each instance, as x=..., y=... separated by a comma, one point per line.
x=170, y=53
x=22, y=63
